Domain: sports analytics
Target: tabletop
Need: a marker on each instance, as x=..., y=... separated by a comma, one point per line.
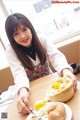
x=38, y=89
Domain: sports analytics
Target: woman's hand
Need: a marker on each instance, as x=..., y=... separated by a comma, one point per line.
x=23, y=101
x=69, y=74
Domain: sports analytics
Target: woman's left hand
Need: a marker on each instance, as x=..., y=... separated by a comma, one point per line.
x=69, y=74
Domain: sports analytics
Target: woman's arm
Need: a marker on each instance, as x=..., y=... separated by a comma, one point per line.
x=23, y=105
x=59, y=62
x=57, y=58
x=18, y=71
x=21, y=80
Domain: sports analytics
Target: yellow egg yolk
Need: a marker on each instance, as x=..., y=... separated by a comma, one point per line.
x=39, y=104
x=56, y=85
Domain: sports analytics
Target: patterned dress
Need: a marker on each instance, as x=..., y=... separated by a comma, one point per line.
x=39, y=71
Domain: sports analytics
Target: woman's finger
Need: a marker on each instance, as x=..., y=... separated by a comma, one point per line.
x=26, y=102
x=22, y=108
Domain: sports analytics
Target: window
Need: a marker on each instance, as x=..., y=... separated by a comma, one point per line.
x=43, y=4
x=3, y=39
x=56, y=21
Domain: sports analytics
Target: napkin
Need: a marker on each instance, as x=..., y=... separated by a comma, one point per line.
x=8, y=95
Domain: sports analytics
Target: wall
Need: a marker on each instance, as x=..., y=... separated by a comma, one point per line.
x=71, y=51
x=6, y=79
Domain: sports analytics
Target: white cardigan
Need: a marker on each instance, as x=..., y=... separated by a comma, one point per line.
x=57, y=59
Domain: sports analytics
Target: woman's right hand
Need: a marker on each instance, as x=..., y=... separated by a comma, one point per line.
x=23, y=102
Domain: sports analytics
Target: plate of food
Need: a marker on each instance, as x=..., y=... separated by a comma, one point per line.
x=61, y=90
x=50, y=110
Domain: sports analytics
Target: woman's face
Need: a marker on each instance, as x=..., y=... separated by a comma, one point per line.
x=23, y=36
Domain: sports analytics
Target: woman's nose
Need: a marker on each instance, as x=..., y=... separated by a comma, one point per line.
x=22, y=35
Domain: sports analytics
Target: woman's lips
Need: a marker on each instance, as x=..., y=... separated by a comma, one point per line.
x=25, y=40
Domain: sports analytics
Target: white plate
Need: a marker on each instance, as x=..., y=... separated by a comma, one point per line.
x=67, y=108
x=68, y=112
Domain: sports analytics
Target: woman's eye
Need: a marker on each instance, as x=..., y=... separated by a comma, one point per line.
x=25, y=29
x=15, y=34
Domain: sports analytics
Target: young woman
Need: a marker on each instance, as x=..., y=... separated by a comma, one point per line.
x=28, y=56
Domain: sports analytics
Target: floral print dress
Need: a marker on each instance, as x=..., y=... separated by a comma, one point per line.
x=39, y=71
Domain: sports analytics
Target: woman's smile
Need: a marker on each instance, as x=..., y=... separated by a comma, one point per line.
x=23, y=36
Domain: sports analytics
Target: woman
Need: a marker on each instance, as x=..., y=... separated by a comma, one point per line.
x=28, y=57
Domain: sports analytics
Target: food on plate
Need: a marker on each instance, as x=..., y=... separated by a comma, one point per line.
x=39, y=104
x=53, y=111
x=50, y=111
x=60, y=90
x=56, y=85
x=31, y=116
x=56, y=111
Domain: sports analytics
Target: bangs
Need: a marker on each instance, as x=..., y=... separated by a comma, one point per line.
x=15, y=25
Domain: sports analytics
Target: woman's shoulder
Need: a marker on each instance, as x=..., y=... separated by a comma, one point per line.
x=9, y=49
x=43, y=40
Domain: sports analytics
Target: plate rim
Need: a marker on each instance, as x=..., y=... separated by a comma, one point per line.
x=68, y=111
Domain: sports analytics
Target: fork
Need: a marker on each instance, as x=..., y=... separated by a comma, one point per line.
x=39, y=118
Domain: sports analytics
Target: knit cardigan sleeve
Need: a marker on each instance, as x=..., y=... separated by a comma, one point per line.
x=17, y=69
x=57, y=58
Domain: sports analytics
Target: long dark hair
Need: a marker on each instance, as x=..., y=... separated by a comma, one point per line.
x=12, y=22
